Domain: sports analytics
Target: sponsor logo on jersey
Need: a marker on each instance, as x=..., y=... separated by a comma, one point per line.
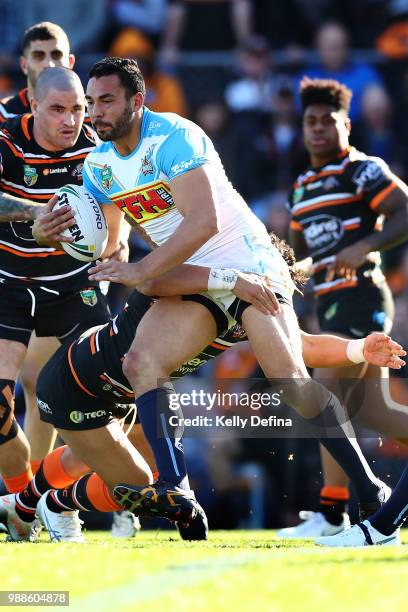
x=77, y=416
x=368, y=176
x=106, y=177
x=322, y=233
x=43, y=406
x=298, y=194
x=147, y=164
x=146, y=203
x=48, y=171
x=30, y=176
x=77, y=171
x=89, y=297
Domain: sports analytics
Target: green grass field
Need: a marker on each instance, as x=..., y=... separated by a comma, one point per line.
x=240, y=570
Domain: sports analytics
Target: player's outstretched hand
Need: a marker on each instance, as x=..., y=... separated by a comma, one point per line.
x=49, y=224
x=253, y=289
x=381, y=350
x=116, y=272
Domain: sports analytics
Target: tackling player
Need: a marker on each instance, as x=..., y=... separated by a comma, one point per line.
x=337, y=206
x=80, y=387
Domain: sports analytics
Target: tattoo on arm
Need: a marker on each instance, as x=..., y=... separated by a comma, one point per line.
x=16, y=209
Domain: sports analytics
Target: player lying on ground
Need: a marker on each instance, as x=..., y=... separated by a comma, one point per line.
x=382, y=528
x=79, y=390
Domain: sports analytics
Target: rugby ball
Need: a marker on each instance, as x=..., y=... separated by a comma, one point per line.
x=90, y=232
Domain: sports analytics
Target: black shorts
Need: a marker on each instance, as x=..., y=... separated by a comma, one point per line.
x=63, y=403
x=356, y=312
x=49, y=312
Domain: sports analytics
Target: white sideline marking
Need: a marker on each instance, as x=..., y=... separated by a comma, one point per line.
x=162, y=583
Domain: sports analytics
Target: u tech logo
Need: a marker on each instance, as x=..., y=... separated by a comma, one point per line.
x=77, y=416
x=147, y=203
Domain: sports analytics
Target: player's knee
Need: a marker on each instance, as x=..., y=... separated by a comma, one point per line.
x=136, y=365
x=8, y=423
x=28, y=379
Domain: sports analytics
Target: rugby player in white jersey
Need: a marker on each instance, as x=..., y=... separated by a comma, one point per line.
x=164, y=173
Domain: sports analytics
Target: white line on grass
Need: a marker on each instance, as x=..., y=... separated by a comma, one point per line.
x=161, y=583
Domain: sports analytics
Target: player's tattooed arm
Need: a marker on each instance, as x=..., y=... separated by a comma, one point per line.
x=17, y=209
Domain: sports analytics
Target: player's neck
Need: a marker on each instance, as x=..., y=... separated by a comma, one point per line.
x=42, y=141
x=129, y=142
x=318, y=161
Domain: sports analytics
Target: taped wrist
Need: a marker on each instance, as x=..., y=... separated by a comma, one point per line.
x=355, y=350
x=222, y=278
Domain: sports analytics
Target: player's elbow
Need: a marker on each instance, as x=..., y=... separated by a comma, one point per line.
x=210, y=227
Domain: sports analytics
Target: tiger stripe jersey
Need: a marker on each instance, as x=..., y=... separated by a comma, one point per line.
x=95, y=358
x=29, y=171
x=335, y=206
x=15, y=105
x=19, y=104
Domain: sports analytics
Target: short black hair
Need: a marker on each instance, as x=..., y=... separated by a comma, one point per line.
x=46, y=30
x=325, y=91
x=127, y=71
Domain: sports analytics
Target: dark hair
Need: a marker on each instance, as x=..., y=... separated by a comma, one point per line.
x=325, y=91
x=43, y=31
x=127, y=71
x=298, y=277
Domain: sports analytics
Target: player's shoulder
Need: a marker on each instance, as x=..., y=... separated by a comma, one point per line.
x=359, y=159
x=366, y=170
x=16, y=130
x=11, y=106
x=166, y=125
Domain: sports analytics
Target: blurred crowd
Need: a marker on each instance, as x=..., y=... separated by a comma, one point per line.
x=234, y=66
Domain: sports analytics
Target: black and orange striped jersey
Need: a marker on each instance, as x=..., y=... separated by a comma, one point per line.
x=95, y=358
x=19, y=105
x=14, y=105
x=335, y=206
x=31, y=172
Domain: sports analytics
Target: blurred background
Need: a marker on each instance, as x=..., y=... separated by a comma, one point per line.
x=233, y=66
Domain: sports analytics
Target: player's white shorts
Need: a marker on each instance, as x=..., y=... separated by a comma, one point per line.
x=251, y=254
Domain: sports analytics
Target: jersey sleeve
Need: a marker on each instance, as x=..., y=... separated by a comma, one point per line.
x=183, y=151
x=91, y=185
x=374, y=179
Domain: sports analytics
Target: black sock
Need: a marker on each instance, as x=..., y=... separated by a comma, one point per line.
x=395, y=511
x=28, y=498
x=332, y=433
x=74, y=497
x=333, y=503
x=153, y=409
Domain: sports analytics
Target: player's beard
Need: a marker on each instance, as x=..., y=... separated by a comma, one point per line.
x=120, y=128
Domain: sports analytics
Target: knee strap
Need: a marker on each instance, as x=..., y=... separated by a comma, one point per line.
x=8, y=423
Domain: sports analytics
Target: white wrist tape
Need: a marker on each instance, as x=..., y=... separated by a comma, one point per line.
x=222, y=278
x=355, y=350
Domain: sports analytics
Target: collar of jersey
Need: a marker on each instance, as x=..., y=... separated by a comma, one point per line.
x=145, y=115
x=335, y=160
